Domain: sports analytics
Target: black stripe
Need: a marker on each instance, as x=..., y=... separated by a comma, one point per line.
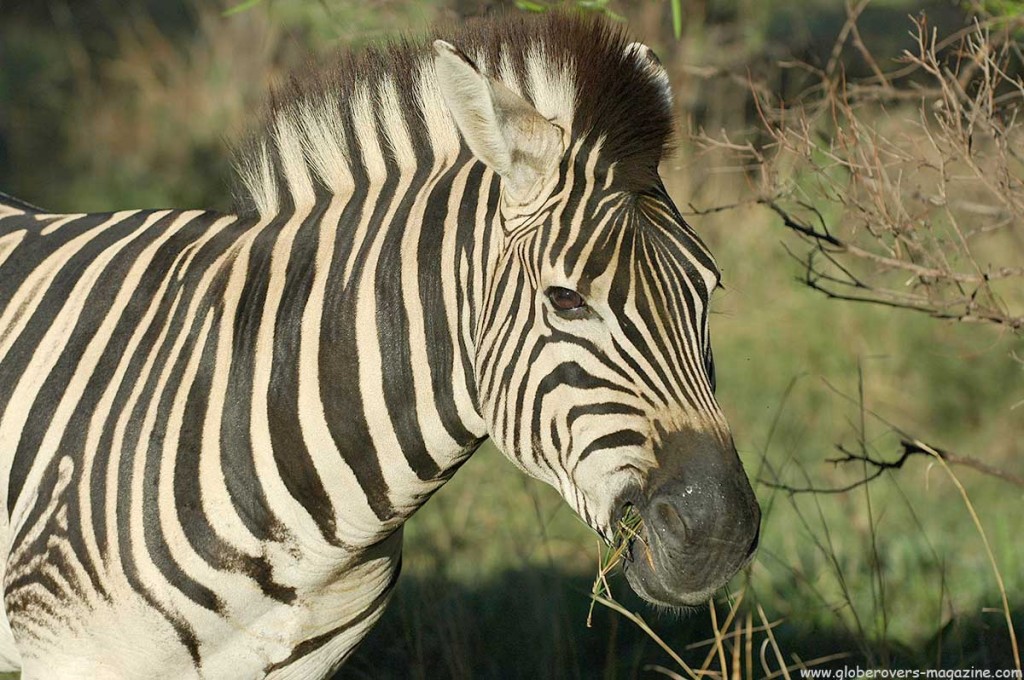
x=183, y=630
x=393, y=337
x=466, y=247
x=163, y=268
x=216, y=552
x=339, y=363
x=567, y=374
x=613, y=441
x=153, y=532
x=240, y=475
x=72, y=442
x=20, y=356
x=439, y=335
x=561, y=235
x=34, y=248
x=294, y=462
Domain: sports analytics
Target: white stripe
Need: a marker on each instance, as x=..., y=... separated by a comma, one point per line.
x=507, y=72
x=217, y=502
x=435, y=436
x=257, y=176
x=65, y=219
x=441, y=130
x=286, y=507
x=293, y=163
x=396, y=131
x=323, y=140
x=399, y=477
x=10, y=241
x=552, y=89
x=23, y=303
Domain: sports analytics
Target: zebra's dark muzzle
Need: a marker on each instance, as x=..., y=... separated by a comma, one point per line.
x=701, y=526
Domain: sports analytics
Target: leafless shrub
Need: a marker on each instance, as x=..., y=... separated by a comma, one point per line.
x=907, y=185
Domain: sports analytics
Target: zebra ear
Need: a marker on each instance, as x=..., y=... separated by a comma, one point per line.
x=647, y=59
x=501, y=128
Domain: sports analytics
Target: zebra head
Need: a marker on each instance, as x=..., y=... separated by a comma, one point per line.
x=593, y=360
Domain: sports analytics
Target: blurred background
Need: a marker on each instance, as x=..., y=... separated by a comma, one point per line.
x=827, y=150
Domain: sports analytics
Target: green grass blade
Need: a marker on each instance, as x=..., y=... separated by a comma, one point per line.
x=241, y=7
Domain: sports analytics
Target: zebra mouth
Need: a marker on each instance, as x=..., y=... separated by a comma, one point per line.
x=624, y=517
x=672, y=562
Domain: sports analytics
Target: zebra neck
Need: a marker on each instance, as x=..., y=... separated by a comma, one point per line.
x=378, y=292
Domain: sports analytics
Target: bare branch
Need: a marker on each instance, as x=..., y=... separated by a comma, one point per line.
x=922, y=180
x=911, y=447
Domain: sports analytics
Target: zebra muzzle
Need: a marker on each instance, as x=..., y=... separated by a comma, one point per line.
x=701, y=525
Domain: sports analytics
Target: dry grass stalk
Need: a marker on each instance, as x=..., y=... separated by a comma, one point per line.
x=988, y=552
x=733, y=648
x=733, y=642
x=628, y=530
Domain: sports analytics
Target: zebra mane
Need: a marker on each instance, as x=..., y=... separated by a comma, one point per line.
x=362, y=113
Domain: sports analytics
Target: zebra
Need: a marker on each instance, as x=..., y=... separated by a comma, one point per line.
x=213, y=426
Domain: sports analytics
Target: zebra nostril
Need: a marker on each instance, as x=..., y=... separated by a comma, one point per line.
x=671, y=520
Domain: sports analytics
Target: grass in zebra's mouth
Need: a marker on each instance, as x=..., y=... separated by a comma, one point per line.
x=628, y=529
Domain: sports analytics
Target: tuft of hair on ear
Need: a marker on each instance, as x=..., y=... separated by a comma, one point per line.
x=629, y=102
x=650, y=61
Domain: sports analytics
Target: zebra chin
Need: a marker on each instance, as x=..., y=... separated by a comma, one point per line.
x=678, y=582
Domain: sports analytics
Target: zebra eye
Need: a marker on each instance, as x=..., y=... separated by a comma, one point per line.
x=565, y=300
